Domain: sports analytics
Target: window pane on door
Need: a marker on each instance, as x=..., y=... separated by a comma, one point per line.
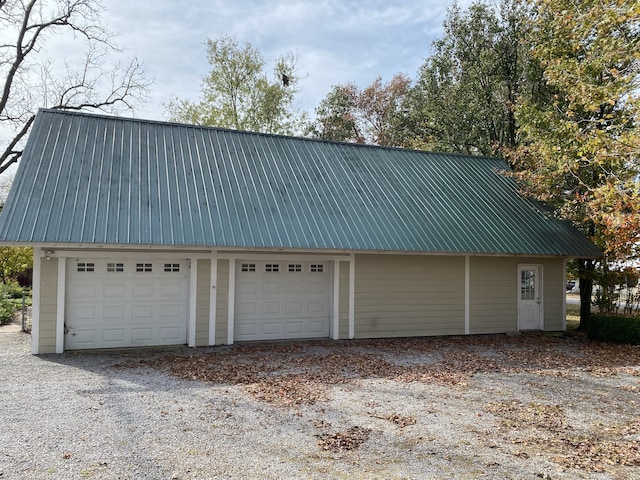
x=527, y=285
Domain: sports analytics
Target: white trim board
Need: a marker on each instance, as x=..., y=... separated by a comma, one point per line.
x=60, y=304
x=467, y=291
x=335, y=312
x=352, y=295
x=193, y=294
x=35, y=305
x=231, y=302
x=284, y=256
x=213, y=298
x=128, y=255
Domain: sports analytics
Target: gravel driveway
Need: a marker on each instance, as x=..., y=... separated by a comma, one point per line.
x=493, y=407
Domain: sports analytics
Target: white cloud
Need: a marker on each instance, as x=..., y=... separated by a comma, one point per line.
x=337, y=41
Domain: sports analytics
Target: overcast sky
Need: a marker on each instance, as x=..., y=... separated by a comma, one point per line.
x=336, y=41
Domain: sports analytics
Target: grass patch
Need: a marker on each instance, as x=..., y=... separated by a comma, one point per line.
x=573, y=317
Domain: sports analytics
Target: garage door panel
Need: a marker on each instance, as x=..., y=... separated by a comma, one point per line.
x=270, y=308
x=318, y=307
x=114, y=291
x=143, y=290
x=83, y=312
x=294, y=328
x=280, y=300
x=294, y=288
x=316, y=287
x=173, y=290
x=247, y=308
x=271, y=287
x=141, y=314
x=171, y=313
x=110, y=335
x=142, y=334
x=318, y=328
x=169, y=334
x=271, y=328
x=247, y=287
x=295, y=307
x=113, y=313
x=140, y=304
x=247, y=330
x=86, y=291
x=84, y=337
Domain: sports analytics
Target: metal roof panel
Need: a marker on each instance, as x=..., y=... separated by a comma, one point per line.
x=97, y=179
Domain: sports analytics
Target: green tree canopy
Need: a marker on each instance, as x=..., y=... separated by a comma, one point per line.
x=15, y=261
x=465, y=94
x=238, y=94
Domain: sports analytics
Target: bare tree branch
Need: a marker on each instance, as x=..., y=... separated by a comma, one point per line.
x=92, y=85
x=11, y=155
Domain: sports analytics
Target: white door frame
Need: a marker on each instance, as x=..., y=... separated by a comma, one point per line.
x=539, y=297
x=62, y=288
x=331, y=269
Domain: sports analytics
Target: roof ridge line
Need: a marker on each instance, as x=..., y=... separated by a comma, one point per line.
x=106, y=116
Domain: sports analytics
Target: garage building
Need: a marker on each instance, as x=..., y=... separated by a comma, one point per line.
x=152, y=233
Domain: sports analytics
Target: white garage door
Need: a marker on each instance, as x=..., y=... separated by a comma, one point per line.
x=125, y=303
x=282, y=300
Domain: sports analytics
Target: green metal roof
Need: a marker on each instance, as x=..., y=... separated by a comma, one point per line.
x=91, y=179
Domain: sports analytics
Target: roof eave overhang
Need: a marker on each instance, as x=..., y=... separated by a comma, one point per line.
x=280, y=250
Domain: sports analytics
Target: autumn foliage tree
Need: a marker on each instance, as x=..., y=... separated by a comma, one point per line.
x=371, y=115
x=581, y=147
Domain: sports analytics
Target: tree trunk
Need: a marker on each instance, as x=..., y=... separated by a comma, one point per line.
x=585, y=274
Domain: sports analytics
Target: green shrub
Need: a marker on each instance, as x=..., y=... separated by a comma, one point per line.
x=613, y=328
x=11, y=300
x=13, y=290
x=7, y=308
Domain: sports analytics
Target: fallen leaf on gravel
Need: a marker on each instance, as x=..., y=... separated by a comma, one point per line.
x=519, y=415
x=399, y=420
x=290, y=375
x=288, y=391
x=350, y=439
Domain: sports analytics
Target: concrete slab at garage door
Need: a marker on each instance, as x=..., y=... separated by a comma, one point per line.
x=282, y=300
x=125, y=303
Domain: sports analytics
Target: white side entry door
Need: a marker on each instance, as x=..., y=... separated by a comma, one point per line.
x=529, y=297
